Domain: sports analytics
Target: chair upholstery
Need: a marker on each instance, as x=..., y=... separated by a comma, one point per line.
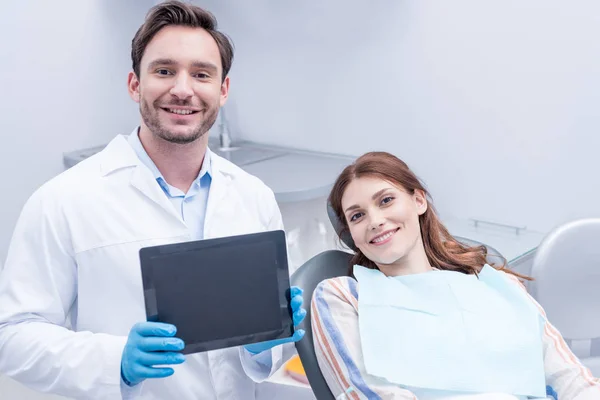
x=566, y=272
x=325, y=265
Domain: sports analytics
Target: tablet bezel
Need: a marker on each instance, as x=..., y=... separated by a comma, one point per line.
x=147, y=254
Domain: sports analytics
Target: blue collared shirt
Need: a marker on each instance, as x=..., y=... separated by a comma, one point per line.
x=191, y=205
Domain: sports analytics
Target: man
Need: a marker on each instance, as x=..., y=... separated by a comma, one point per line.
x=75, y=248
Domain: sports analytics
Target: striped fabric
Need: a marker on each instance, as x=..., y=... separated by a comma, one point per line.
x=337, y=345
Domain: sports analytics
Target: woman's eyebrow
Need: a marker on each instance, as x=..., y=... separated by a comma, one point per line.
x=376, y=195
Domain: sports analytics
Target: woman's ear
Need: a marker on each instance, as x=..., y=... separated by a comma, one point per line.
x=420, y=201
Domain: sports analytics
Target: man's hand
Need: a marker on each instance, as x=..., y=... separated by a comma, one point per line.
x=149, y=344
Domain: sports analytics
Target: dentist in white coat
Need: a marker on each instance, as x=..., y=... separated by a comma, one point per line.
x=74, y=252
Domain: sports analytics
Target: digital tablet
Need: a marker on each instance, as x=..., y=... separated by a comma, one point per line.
x=221, y=292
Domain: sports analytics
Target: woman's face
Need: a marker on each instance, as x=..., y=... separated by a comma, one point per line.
x=383, y=218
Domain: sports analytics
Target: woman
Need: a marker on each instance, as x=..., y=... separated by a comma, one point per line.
x=436, y=322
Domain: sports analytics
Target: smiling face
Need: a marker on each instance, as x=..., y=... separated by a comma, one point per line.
x=384, y=220
x=180, y=88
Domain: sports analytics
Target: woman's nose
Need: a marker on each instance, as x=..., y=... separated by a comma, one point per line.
x=376, y=220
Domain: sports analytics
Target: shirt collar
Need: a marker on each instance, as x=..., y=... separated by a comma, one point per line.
x=136, y=144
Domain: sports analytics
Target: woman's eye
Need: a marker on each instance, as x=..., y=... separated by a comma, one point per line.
x=356, y=216
x=386, y=200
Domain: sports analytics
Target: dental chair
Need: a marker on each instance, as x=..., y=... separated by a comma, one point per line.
x=330, y=264
x=566, y=272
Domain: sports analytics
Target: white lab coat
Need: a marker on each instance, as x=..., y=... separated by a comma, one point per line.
x=75, y=251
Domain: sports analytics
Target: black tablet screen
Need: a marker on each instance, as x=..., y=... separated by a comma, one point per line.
x=215, y=300
x=220, y=292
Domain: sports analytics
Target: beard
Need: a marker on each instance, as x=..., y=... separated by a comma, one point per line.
x=152, y=121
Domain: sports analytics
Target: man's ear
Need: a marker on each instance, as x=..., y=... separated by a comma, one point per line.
x=224, y=92
x=133, y=86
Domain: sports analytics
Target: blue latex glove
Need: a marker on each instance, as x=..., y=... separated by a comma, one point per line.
x=298, y=314
x=551, y=392
x=149, y=344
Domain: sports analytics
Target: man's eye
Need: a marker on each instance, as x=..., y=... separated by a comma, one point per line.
x=356, y=216
x=202, y=75
x=163, y=72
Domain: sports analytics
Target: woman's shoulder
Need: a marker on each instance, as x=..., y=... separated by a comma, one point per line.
x=511, y=278
x=341, y=287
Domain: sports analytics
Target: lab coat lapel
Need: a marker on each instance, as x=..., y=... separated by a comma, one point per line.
x=142, y=179
x=118, y=156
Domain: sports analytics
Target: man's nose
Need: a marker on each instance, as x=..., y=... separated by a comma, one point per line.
x=182, y=88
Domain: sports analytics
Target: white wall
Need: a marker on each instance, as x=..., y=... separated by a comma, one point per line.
x=495, y=104
x=63, y=76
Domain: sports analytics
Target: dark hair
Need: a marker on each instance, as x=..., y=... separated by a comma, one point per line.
x=178, y=13
x=442, y=249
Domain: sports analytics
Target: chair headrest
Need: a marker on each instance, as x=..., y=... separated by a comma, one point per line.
x=565, y=272
x=338, y=226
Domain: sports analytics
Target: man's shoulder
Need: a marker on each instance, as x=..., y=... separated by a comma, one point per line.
x=83, y=177
x=240, y=177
